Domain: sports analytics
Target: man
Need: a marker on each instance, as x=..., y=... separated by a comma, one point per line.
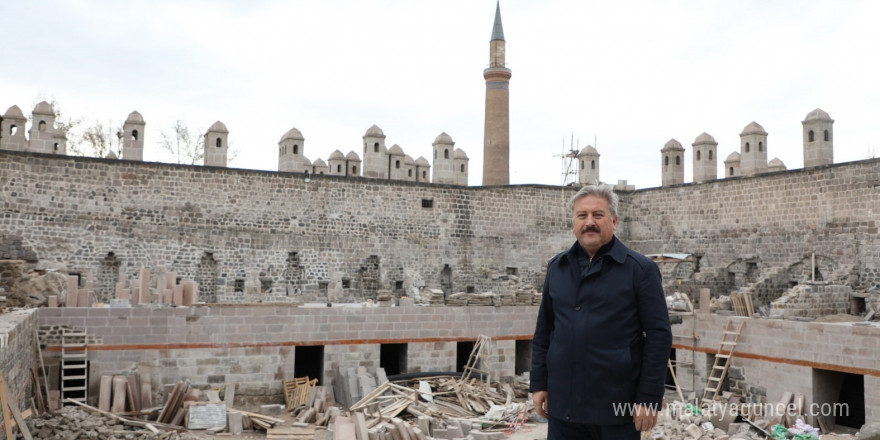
x=602, y=339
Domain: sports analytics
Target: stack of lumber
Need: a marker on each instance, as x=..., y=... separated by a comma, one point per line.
x=261, y=421
x=377, y=406
x=125, y=393
x=174, y=411
x=449, y=398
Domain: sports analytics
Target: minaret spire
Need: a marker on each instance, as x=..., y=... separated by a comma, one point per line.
x=497, y=29
x=496, y=131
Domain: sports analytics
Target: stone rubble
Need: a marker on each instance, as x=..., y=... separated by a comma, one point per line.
x=73, y=423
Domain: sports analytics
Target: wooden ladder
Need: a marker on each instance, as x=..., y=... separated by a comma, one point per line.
x=718, y=372
x=74, y=366
x=477, y=360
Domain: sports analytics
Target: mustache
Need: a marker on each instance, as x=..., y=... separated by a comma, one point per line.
x=590, y=229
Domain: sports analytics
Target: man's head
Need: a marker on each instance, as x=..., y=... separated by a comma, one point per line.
x=594, y=216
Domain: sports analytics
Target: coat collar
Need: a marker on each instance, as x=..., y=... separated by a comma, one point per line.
x=617, y=252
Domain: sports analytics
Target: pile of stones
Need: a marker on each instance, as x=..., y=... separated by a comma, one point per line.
x=683, y=424
x=73, y=423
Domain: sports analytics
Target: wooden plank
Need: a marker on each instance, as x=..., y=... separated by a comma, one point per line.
x=178, y=418
x=181, y=409
x=120, y=383
x=38, y=391
x=146, y=394
x=105, y=392
x=822, y=425
x=24, y=414
x=360, y=404
x=133, y=404
x=7, y=414
x=172, y=397
x=261, y=416
x=134, y=398
x=360, y=423
x=13, y=408
x=401, y=428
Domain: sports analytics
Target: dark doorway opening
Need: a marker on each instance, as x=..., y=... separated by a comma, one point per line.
x=446, y=280
x=523, y=357
x=462, y=354
x=309, y=361
x=392, y=357
x=839, y=397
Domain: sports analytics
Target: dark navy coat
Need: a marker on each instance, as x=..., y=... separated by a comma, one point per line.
x=602, y=337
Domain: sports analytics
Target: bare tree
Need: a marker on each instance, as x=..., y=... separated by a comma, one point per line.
x=185, y=146
x=97, y=140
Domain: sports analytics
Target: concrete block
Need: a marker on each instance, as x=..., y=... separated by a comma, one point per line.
x=234, y=422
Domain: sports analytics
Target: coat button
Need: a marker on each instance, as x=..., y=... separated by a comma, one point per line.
x=577, y=308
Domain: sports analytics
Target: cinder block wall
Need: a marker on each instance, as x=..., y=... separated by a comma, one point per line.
x=774, y=356
x=254, y=346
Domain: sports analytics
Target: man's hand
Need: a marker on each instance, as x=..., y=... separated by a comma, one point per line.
x=643, y=417
x=539, y=398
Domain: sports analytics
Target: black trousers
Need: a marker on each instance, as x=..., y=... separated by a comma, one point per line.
x=562, y=430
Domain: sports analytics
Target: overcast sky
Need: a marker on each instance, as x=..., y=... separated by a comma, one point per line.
x=624, y=76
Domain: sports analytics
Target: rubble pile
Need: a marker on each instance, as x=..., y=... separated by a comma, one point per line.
x=682, y=423
x=679, y=302
x=71, y=423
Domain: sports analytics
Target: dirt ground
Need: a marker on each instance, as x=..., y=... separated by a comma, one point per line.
x=531, y=431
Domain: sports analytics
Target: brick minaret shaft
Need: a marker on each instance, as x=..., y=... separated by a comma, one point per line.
x=496, y=138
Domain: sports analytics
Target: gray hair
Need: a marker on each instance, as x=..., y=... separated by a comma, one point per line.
x=603, y=191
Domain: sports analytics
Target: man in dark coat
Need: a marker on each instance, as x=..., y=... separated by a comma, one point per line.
x=602, y=339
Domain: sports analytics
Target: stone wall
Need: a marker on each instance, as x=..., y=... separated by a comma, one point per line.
x=813, y=300
x=254, y=346
x=255, y=236
x=746, y=229
x=17, y=354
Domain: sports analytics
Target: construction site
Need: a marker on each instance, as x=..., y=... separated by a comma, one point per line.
x=144, y=300
x=104, y=269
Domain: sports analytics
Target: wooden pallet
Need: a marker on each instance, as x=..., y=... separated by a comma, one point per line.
x=742, y=304
x=296, y=391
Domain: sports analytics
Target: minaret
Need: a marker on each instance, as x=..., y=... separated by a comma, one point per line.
x=496, y=138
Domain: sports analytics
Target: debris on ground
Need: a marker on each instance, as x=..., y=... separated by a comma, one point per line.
x=72, y=422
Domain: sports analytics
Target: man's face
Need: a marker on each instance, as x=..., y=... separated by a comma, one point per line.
x=593, y=224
